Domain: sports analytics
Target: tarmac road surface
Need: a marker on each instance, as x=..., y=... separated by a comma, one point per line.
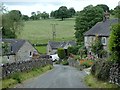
x=59, y=77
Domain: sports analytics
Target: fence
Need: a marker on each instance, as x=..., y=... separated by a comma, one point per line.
x=10, y=68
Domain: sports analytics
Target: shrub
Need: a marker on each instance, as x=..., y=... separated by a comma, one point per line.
x=61, y=53
x=65, y=62
x=57, y=62
x=76, y=57
x=17, y=77
x=86, y=63
x=97, y=46
x=114, y=43
x=73, y=50
x=83, y=52
x=100, y=69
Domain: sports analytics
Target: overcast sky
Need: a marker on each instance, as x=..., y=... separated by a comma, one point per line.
x=28, y=6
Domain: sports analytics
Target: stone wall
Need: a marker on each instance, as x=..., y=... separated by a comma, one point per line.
x=73, y=62
x=106, y=71
x=11, y=68
x=115, y=74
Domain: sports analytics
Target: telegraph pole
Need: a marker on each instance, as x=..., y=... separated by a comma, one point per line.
x=54, y=31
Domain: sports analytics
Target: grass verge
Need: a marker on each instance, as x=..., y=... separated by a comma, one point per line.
x=20, y=77
x=92, y=82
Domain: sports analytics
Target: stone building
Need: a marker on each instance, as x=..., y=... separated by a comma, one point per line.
x=102, y=30
x=17, y=50
x=53, y=46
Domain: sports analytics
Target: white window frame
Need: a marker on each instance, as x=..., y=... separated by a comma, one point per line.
x=104, y=42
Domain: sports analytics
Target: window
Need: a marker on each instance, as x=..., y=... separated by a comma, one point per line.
x=8, y=58
x=30, y=53
x=104, y=40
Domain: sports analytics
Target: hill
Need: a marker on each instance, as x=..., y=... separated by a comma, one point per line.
x=40, y=31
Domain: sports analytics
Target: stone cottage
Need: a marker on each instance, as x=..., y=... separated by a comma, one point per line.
x=53, y=46
x=102, y=30
x=17, y=50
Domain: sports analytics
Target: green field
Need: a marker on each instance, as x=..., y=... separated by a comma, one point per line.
x=40, y=31
x=41, y=49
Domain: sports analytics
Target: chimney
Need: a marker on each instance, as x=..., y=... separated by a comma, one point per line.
x=106, y=16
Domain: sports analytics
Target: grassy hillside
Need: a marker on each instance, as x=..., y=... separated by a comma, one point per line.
x=40, y=31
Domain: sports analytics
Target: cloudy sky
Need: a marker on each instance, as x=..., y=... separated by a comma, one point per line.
x=28, y=6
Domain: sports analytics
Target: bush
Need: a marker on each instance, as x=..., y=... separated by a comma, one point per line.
x=57, y=62
x=101, y=69
x=73, y=50
x=86, y=63
x=17, y=77
x=65, y=62
x=76, y=57
x=114, y=43
x=82, y=52
x=61, y=53
x=97, y=46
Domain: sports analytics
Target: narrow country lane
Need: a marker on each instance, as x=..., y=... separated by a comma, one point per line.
x=60, y=77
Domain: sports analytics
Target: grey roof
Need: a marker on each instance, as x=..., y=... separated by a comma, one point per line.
x=101, y=28
x=55, y=45
x=14, y=44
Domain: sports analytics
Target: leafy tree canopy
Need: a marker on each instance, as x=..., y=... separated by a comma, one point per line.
x=104, y=7
x=114, y=43
x=86, y=19
x=11, y=24
x=61, y=53
x=25, y=17
x=63, y=12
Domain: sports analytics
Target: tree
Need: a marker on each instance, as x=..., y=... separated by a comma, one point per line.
x=25, y=17
x=15, y=15
x=5, y=48
x=73, y=50
x=33, y=16
x=61, y=53
x=33, y=13
x=112, y=12
x=97, y=47
x=63, y=12
x=56, y=14
x=44, y=15
x=12, y=24
x=52, y=14
x=104, y=7
x=114, y=43
x=38, y=15
x=7, y=25
x=71, y=12
x=2, y=8
x=117, y=11
x=87, y=18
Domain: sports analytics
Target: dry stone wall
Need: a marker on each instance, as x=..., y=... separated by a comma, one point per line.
x=115, y=74
x=11, y=68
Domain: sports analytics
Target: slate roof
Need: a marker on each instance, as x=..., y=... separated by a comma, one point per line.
x=55, y=45
x=14, y=45
x=101, y=28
